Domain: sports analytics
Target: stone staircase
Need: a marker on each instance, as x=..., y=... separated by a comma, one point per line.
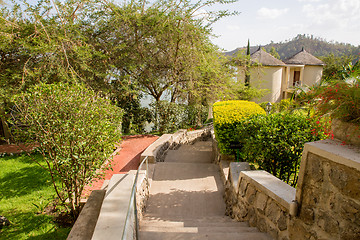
x=186, y=200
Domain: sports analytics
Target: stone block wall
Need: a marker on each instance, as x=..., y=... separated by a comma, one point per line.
x=262, y=200
x=157, y=150
x=325, y=204
x=328, y=193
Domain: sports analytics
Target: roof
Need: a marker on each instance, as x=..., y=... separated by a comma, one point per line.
x=265, y=59
x=304, y=58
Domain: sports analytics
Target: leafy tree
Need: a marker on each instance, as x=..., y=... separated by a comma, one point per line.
x=334, y=66
x=241, y=89
x=274, y=53
x=76, y=130
x=247, y=74
x=162, y=46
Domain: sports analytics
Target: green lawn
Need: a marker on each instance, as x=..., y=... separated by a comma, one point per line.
x=25, y=189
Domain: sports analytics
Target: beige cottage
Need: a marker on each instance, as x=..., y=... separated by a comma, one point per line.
x=302, y=69
x=281, y=78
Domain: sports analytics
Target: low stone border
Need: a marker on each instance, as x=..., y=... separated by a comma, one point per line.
x=156, y=151
x=84, y=226
x=260, y=198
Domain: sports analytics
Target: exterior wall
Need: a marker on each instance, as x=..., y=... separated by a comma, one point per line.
x=261, y=199
x=328, y=193
x=240, y=74
x=268, y=78
x=312, y=75
x=327, y=199
x=290, y=81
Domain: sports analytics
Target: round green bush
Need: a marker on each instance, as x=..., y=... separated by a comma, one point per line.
x=227, y=115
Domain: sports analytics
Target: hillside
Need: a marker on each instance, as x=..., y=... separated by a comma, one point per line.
x=316, y=46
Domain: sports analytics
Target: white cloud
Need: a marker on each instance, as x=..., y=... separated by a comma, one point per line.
x=309, y=0
x=334, y=13
x=233, y=27
x=271, y=13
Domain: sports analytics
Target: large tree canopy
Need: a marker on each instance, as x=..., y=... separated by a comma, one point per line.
x=159, y=46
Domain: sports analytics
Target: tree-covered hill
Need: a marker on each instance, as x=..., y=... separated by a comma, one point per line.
x=317, y=46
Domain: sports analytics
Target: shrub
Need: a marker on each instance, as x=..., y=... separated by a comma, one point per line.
x=169, y=117
x=227, y=115
x=275, y=142
x=339, y=99
x=283, y=105
x=76, y=131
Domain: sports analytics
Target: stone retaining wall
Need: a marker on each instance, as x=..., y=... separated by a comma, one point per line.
x=156, y=151
x=325, y=204
x=328, y=193
x=261, y=199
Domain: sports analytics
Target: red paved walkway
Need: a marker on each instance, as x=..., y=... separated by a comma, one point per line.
x=12, y=148
x=127, y=159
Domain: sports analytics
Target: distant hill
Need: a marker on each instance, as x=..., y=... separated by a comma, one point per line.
x=316, y=46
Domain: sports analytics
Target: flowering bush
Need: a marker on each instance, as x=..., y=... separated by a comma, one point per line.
x=339, y=99
x=228, y=112
x=275, y=142
x=227, y=115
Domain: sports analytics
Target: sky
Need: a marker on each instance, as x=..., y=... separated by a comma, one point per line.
x=263, y=21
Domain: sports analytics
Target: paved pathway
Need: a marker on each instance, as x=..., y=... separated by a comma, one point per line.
x=186, y=200
x=128, y=158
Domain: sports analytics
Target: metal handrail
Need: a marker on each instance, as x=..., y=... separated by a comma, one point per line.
x=133, y=201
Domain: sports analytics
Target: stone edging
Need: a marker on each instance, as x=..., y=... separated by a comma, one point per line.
x=156, y=151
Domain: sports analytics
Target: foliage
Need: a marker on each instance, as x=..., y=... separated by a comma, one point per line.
x=24, y=184
x=119, y=50
x=45, y=43
x=241, y=89
x=274, y=53
x=227, y=115
x=161, y=46
x=135, y=117
x=275, y=142
x=248, y=93
x=340, y=99
x=169, y=116
x=76, y=131
x=283, y=105
x=334, y=66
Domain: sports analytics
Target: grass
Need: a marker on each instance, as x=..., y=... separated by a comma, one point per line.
x=25, y=191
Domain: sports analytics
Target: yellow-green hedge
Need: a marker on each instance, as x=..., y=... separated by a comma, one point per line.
x=227, y=115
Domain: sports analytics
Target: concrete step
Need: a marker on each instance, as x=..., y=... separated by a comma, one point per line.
x=193, y=223
x=189, y=156
x=183, y=190
x=199, y=146
x=212, y=229
x=145, y=235
x=166, y=171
